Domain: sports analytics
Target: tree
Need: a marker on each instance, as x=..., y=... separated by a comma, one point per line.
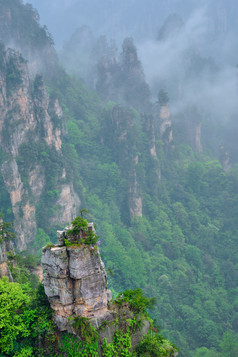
x=12, y=322
x=6, y=230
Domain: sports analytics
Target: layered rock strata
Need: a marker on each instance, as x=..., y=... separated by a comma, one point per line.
x=76, y=284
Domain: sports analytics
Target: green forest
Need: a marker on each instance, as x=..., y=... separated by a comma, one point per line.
x=182, y=250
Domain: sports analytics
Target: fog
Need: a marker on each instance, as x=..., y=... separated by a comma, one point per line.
x=207, y=37
x=211, y=85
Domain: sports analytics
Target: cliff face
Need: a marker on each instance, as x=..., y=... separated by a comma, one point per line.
x=165, y=123
x=31, y=164
x=26, y=126
x=123, y=126
x=194, y=128
x=6, y=246
x=76, y=284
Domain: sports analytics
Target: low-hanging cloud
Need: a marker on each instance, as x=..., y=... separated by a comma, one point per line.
x=167, y=65
x=163, y=58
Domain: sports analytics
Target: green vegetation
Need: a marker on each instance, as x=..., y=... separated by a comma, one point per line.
x=78, y=224
x=176, y=251
x=71, y=346
x=12, y=298
x=130, y=320
x=80, y=233
x=85, y=330
x=13, y=71
x=24, y=25
x=155, y=345
x=25, y=319
x=6, y=231
x=26, y=327
x=120, y=346
x=137, y=302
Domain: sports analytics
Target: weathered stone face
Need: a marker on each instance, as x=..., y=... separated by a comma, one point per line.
x=75, y=283
x=5, y=247
x=83, y=262
x=55, y=262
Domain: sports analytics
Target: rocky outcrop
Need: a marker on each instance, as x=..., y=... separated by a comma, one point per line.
x=52, y=135
x=135, y=199
x=225, y=158
x=121, y=78
x=68, y=204
x=20, y=29
x=165, y=123
x=165, y=131
x=23, y=210
x=6, y=246
x=36, y=181
x=194, y=126
x=76, y=284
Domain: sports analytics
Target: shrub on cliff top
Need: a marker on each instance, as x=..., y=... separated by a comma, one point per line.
x=80, y=225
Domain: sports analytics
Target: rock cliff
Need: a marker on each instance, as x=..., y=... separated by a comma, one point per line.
x=75, y=282
x=123, y=127
x=28, y=131
x=5, y=247
x=20, y=29
x=121, y=78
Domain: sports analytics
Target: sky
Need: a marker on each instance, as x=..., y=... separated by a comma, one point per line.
x=136, y=18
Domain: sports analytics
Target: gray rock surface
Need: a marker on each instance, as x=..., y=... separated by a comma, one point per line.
x=75, y=283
